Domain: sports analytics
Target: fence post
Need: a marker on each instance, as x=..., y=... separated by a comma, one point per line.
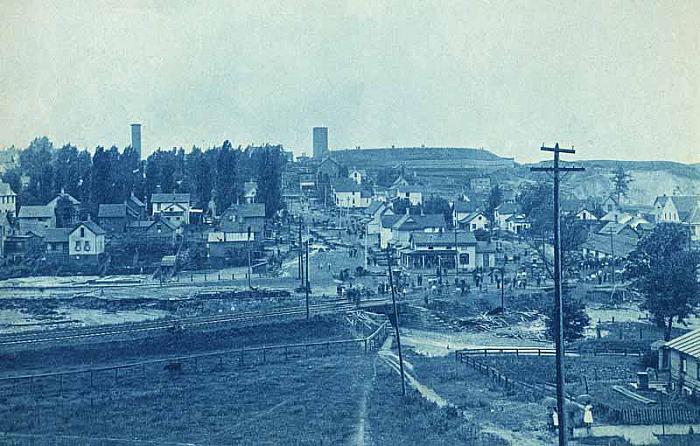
x=365, y=345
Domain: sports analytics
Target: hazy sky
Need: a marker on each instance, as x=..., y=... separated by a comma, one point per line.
x=617, y=79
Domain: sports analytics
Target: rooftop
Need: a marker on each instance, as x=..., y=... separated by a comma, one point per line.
x=170, y=198
x=688, y=343
x=36, y=212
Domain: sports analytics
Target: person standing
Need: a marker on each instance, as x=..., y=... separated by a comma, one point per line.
x=588, y=418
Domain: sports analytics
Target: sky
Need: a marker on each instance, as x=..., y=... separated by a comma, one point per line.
x=617, y=80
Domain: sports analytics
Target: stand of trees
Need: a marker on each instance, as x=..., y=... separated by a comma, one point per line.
x=111, y=175
x=665, y=271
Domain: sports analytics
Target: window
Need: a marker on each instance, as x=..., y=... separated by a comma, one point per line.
x=87, y=245
x=464, y=259
x=684, y=365
x=82, y=232
x=77, y=245
x=407, y=194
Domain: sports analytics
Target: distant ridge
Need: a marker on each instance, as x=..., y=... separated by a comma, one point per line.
x=422, y=158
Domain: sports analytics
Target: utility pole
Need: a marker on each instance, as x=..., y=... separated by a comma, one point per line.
x=250, y=268
x=396, y=320
x=366, y=242
x=456, y=256
x=612, y=256
x=301, y=256
x=556, y=169
x=503, y=289
x=306, y=285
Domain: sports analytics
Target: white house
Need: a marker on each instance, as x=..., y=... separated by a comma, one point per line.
x=474, y=221
x=429, y=250
x=349, y=194
x=684, y=209
x=414, y=194
x=518, y=223
x=8, y=199
x=175, y=208
x=503, y=213
x=250, y=191
x=586, y=215
x=397, y=229
x=86, y=242
x=357, y=175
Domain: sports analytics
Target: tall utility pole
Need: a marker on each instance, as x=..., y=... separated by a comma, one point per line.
x=306, y=285
x=301, y=257
x=366, y=242
x=612, y=256
x=559, y=338
x=250, y=268
x=456, y=257
x=396, y=320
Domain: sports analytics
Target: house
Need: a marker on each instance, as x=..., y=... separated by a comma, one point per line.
x=683, y=209
x=233, y=241
x=485, y=255
x=328, y=170
x=135, y=207
x=245, y=215
x=348, y=194
x=113, y=217
x=607, y=245
x=250, y=191
x=172, y=207
x=160, y=231
x=474, y=221
x=617, y=216
x=36, y=219
x=586, y=214
x=375, y=211
x=357, y=175
x=503, y=212
x=86, y=243
x=397, y=229
x=518, y=223
x=430, y=250
x=623, y=230
x=414, y=194
x=66, y=209
x=461, y=209
x=8, y=199
x=56, y=242
x=681, y=358
x=610, y=204
x=22, y=246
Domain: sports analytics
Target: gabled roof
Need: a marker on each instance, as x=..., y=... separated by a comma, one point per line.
x=135, y=201
x=111, y=211
x=375, y=206
x=472, y=216
x=90, y=226
x=613, y=227
x=170, y=198
x=36, y=212
x=240, y=227
x=5, y=189
x=445, y=238
x=245, y=210
x=419, y=222
x=71, y=199
x=621, y=244
x=343, y=185
x=57, y=235
x=410, y=189
x=389, y=220
x=143, y=225
x=688, y=343
x=685, y=204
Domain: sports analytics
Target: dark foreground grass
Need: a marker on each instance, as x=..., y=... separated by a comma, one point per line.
x=302, y=401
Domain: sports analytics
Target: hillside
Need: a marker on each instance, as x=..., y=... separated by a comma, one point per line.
x=649, y=178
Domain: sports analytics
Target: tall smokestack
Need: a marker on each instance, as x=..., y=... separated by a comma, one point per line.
x=320, y=142
x=136, y=138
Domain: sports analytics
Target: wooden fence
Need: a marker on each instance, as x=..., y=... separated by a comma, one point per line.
x=544, y=351
x=653, y=415
x=58, y=382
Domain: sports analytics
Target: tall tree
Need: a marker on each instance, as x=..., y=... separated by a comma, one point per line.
x=495, y=199
x=36, y=162
x=665, y=271
x=621, y=180
x=575, y=320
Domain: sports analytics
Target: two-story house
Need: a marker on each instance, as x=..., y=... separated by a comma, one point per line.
x=348, y=194
x=250, y=191
x=8, y=199
x=396, y=229
x=173, y=207
x=86, y=243
x=429, y=250
x=683, y=209
x=474, y=221
x=36, y=219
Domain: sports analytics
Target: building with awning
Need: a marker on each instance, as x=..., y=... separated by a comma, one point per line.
x=431, y=250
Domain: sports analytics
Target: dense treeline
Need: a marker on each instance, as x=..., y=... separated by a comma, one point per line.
x=111, y=175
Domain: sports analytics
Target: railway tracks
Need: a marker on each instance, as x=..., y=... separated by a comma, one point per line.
x=76, y=334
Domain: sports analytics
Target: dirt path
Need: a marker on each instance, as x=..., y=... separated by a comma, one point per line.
x=513, y=438
x=362, y=436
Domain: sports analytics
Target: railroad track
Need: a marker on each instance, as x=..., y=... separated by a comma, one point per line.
x=59, y=335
